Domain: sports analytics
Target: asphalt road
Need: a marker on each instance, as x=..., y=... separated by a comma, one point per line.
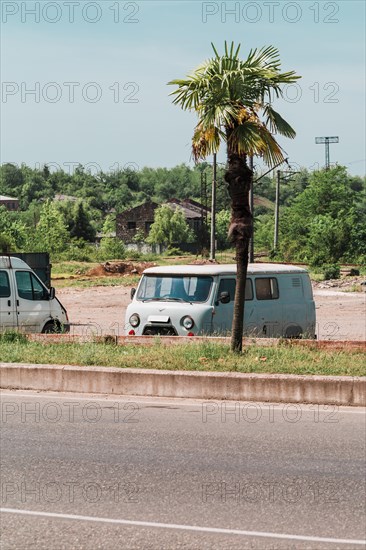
x=94, y=472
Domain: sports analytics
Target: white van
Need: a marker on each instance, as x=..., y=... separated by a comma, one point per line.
x=25, y=303
x=195, y=300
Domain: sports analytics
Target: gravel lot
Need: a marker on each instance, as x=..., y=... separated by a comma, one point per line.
x=340, y=315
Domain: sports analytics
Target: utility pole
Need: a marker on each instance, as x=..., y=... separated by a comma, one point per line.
x=251, y=203
x=204, y=210
x=327, y=140
x=277, y=210
x=213, y=211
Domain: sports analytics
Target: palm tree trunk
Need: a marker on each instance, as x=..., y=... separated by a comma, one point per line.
x=238, y=177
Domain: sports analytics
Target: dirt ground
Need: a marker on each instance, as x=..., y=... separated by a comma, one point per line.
x=101, y=310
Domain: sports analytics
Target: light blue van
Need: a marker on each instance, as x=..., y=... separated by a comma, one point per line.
x=190, y=300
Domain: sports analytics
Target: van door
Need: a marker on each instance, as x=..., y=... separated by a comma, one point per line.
x=294, y=306
x=8, y=317
x=223, y=317
x=33, y=305
x=268, y=308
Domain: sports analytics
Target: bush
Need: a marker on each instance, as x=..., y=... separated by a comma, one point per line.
x=78, y=251
x=331, y=271
x=6, y=244
x=11, y=336
x=133, y=255
x=173, y=251
x=111, y=248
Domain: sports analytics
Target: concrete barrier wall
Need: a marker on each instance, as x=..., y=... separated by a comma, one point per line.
x=340, y=390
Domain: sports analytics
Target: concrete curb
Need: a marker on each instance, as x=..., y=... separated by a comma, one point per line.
x=323, y=390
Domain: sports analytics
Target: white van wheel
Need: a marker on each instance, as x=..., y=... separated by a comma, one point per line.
x=51, y=327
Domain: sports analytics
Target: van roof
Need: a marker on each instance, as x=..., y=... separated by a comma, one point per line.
x=10, y=261
x=223, y=269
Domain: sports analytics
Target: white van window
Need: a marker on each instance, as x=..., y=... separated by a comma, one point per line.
x=228, y=285
x=29, y=287
x=175, y=288
x=266, y=288
x=4, y=285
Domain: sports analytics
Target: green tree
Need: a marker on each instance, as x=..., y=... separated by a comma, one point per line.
x=6, y=244
x=111, y=248
x=51, y=234
x=13, y=232
x=81, y=227
x=264, y=231
x=325, y=223
x=11, y=179
x=222, y=227
x=170, y=227
x=233, y=101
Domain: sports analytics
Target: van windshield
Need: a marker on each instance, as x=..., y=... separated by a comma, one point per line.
x=173, y=288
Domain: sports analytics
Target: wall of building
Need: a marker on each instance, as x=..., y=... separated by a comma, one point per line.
x=131, y=221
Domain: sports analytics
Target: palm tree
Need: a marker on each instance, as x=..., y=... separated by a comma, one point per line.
x=233, y=101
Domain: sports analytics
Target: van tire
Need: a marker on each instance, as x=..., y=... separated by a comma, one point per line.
x=293, y=331
x=51, y=327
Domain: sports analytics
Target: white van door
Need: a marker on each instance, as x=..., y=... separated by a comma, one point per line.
x=33, y=305
x=8, y=317
x=223, y=318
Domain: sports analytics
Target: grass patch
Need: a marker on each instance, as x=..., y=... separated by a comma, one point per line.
x=353, y=288
x=67, y=269
x=210, y=356
x=82, y=282
x=11, y=336
x=318, y=277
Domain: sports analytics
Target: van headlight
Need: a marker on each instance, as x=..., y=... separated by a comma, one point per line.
x=134, y=320
x=187, y=322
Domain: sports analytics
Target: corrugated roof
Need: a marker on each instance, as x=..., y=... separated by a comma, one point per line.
x=188, y=212
x=4, y=198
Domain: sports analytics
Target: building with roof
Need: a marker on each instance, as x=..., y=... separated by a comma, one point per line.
x=10, y=203
x=140, y=219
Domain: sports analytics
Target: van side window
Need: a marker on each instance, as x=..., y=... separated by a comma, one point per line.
x=29, y=288
x=266, y=288
x=228, y=285
x=4, y=285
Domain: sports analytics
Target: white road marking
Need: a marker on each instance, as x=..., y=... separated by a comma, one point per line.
x=183, y=527
x=179, y=402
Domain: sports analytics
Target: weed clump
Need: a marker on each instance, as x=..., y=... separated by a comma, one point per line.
x=12, y=336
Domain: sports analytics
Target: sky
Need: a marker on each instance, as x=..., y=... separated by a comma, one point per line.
x=86, y=82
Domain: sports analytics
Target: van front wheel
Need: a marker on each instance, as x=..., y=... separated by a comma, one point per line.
x=51, y=327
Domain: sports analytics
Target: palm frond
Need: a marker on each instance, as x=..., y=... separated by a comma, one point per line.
x=277, y=124
x=205, y=141
x=228, y=94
